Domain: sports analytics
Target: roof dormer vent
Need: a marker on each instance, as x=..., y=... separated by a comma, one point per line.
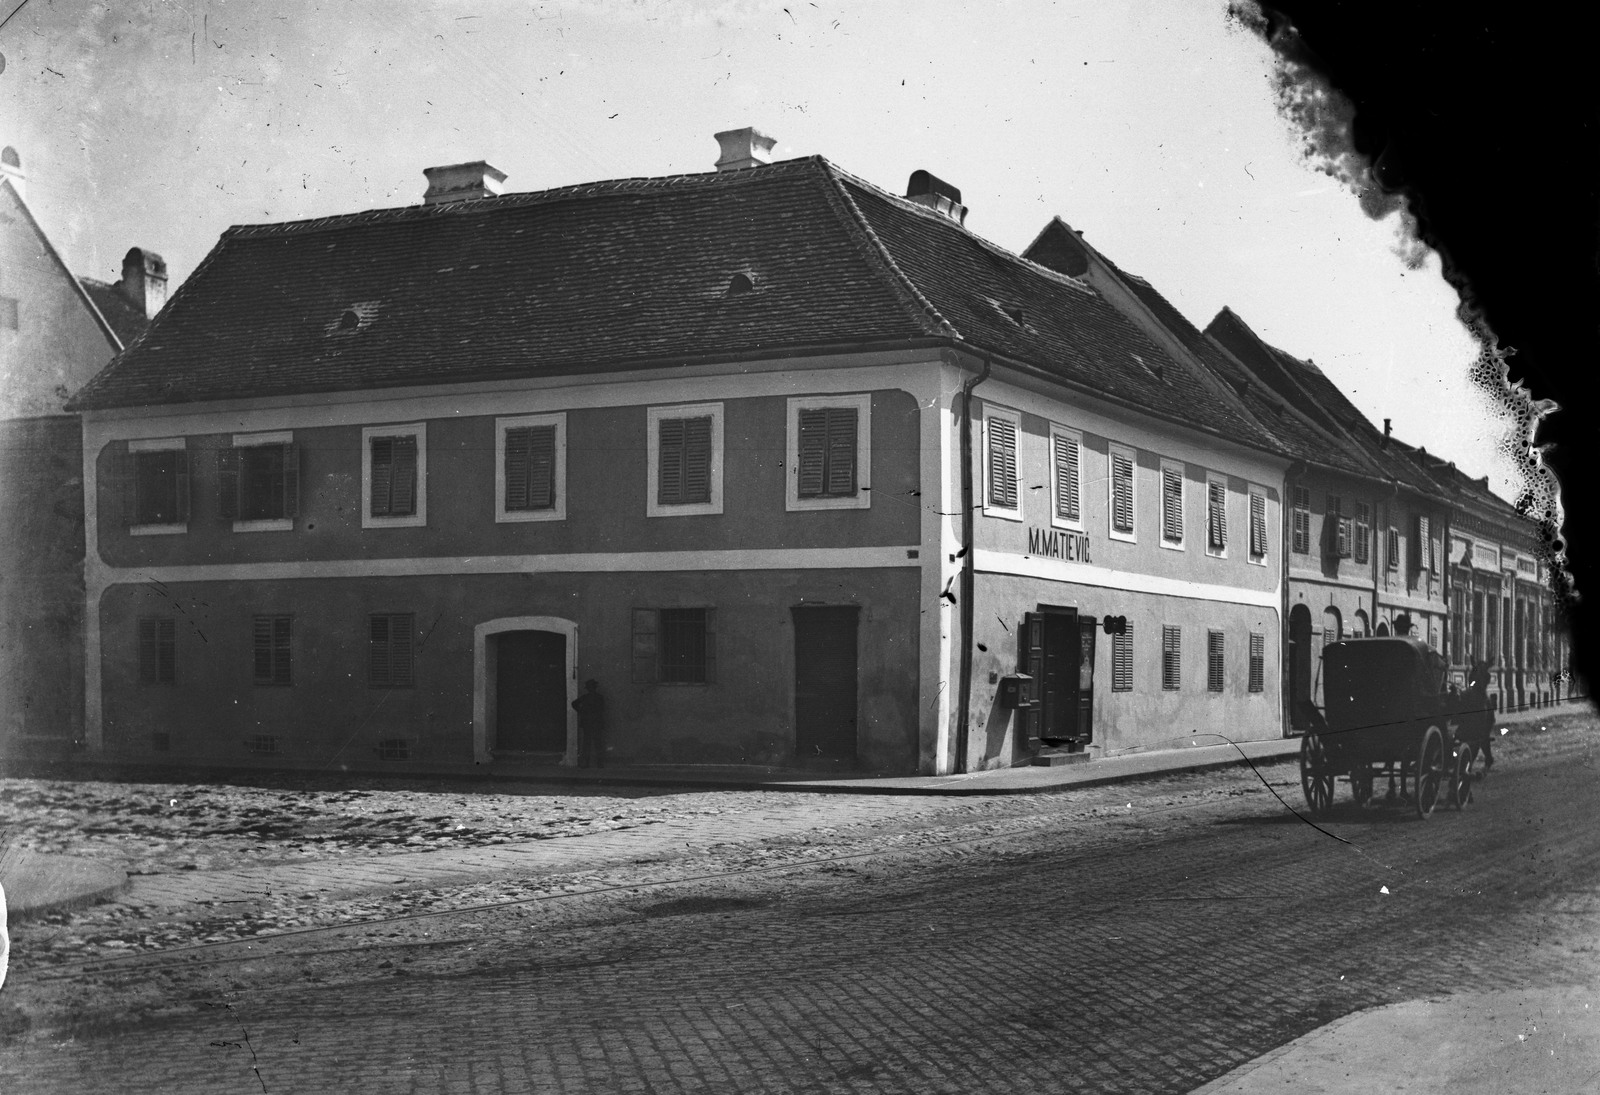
x=936, y=194
x=462, y=182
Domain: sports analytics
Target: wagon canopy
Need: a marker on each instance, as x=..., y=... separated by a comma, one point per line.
x=1374, y=683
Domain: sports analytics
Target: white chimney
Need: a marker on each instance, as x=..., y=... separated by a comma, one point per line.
x=11, y=169
x=144, y=280
x=745, y=147
x=462, y=182
x=936, y=194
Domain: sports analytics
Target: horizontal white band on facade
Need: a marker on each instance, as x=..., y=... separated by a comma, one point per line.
x=578, y=563
x=1085, y=574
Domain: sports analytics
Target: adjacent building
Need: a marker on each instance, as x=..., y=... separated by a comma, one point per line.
x=801, y=472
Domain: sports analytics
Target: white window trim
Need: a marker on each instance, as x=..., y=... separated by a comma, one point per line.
x=862, y=499
x=418, y=430
x=1266, y=531
x=1076, y=438
x=654, y=415
x=558, y=512
x=254, y=440
x=1113, y=450
x=158, y=444
x=1013, y=513
x=1183, y=506
x=1228, y=526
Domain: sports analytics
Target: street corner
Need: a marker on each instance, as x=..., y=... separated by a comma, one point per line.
x=38, y=882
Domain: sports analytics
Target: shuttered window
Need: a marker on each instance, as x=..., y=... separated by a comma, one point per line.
x=1065, y=455
x=259, y=482
x=530, y=472
x=1258, y=525
x=1363, y=531
x=158, y=650
x=1423, y=551
x=391, y=650
x=1215, y=645
x=827, y=452
x=1216, y=515
x=1392, y=548
x=1337, y=529
x=674, y=645
x=685, y=461
x=1171, y=657
x=1121, y=491
x=1301, y=529
x=1002, y=433
x=1172, y=505
x=1258, y=660
x=1122, y=660
x=160, y=484
x=394, y=476
x=272, y=650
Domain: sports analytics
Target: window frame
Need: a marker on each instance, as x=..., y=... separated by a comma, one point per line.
x=648, y=630
x=502, y=426
x=1361, y=534
x=861, y=403
x=156, y=625
x=418, y=432
x=991, y=508
x=1058, y=434
x=1122, y=675
x=1300, y=517
x=1172, y=647
x=391, y=681
x=272, y=678
x=1113, y=451
x=284, y=439
x=1173, y=468
x=654, y=416
x=1216, y=481
x=1258, y=662
x=185, y=477
x=1216, y=660
x=1257, y=492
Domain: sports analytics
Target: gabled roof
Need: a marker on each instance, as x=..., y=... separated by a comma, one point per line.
x=782, y=259
x=124, y=317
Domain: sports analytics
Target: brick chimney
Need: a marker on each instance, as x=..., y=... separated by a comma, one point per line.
x=936, y=194
x=144, y=280
x=459, y=182
x=745, y=147
x=11, y=170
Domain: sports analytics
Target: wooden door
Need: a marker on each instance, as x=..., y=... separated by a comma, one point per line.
x=531, y=692
x=825, y=681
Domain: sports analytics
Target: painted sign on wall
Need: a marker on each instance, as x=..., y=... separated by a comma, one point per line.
x=1072, y=547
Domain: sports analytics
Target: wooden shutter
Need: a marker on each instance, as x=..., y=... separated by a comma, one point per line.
x=541, y=490
x=1066, y=458
x=518, y=456
x=1121, y=492
x=1217, y=505
x=1258, y=525
x=646, y=628
x=382, y=475
x=1215, y=645
x=1258, y=657
x=1122, y=660
x=272, y=647
x=1002, y=463
x=1171, y=506
x=263, y=649
x=228, y=483
x=812, y=476
x=402, y=650
x=669, y=473
x=841, y=451
x=1341, y=545
x=1031, y=651
x=697, y=460
x=291, y=480
x=403, y=488
x=1171, y=658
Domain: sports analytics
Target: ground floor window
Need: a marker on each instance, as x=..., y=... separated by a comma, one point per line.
x=1258, y=659
x=1214, y=663
x=158, y=649
x=391, y=651
x=674, y=645
x=1122, y=660
x=1171, y=657
x=271, y=637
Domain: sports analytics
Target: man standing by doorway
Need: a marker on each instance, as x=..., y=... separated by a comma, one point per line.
x=591, y=709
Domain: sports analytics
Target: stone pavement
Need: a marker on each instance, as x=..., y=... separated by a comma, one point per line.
x=35, y=882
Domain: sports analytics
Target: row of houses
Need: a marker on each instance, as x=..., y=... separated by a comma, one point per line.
x=801, y=472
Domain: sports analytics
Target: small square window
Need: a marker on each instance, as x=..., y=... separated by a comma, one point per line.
x=394, y=476
x=265, y=744
x=394, y=749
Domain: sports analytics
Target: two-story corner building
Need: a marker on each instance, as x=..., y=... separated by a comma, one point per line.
x=799, y=471
x=1502, y=611
x=56, y=332
x=1366, y=530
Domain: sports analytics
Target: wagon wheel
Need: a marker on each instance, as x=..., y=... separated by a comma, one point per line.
x=1361, y=784
x=1430, y=771
x=1316, y=773
x=1463, y=779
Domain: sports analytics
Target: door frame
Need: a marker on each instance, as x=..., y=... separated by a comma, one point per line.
x=483, y=679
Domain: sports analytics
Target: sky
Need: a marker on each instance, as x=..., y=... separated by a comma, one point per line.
x=1151, y=126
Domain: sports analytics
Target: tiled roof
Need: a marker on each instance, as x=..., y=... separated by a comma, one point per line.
x=126, y=319
x=626, y=274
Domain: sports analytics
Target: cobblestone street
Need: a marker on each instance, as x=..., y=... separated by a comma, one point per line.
x=1135, y=938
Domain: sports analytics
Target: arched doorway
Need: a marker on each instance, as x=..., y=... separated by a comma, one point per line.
x=1299, y=665
x=524, y=682
x=1383, y=629
x=1332, y=632
x=1360, y=628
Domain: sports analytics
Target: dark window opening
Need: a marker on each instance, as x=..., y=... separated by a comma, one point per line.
x=272, y=644
x=161, y=487
x=394, y=476
x=259, y=482
x=158, y=649
x=391, y=651
x=674, y=645
x=262, y=743
x=394, y=749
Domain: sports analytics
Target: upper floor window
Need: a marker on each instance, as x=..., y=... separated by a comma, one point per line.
x=829, y=447
x=1423, y=553
x=1301, y=529
x=1258, y=525
x=394, y=473
x=158, y=494
x=1171, y=504
x=1216, y=515
x=1066, y=447
x=1002, y=431
x=531, y=468
x=1392, y=545
x=686, y=451
x=258, y=482
x=1338, y=528
x=1363, y=533
x=1121, y=485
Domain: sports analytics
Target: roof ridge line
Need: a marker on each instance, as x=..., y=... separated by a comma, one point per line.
x=61, y=264
x=864, y=230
